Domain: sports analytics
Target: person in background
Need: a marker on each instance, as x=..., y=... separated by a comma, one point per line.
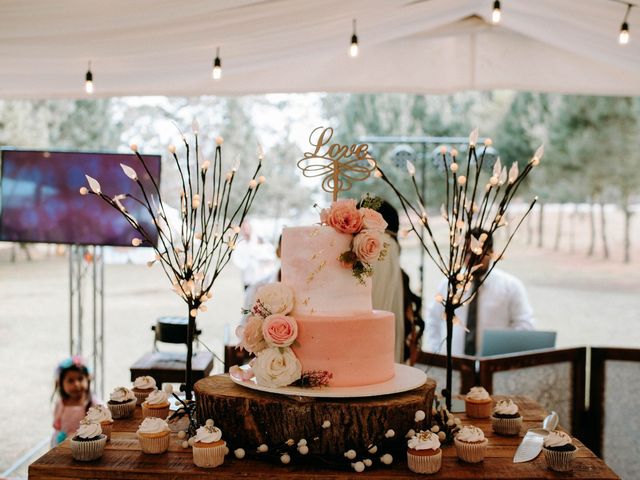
x=387, y=288
x=413, y=322
x=73, y=389
x=500, y=303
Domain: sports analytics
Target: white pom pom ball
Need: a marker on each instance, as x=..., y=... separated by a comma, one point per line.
x=239, y=453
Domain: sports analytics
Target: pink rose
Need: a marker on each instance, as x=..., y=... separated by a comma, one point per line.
x=250, y=335
x=345, y=217
x=279, y=330
x=373, y=220
x=367, y=245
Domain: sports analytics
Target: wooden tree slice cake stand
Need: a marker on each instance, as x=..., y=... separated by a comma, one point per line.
x=249, y=418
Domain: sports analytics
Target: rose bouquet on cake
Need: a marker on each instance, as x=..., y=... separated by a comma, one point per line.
x=366, y=225
x=269, y=333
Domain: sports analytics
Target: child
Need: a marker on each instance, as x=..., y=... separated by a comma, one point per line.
x=73, y=383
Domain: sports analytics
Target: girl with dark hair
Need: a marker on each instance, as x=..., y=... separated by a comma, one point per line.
x=73, y=389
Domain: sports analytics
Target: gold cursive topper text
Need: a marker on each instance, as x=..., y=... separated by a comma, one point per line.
x=340, y=165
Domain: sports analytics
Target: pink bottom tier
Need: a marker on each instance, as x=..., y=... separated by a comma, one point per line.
x=356, y=349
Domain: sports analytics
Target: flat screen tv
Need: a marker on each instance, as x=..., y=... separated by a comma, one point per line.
x=40, y=199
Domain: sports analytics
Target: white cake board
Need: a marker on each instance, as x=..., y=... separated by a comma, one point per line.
x=406, y=378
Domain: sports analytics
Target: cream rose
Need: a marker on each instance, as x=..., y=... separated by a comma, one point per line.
x=279, y=330
x=372, y=220
x=276, y=297
x=367, y=246
x=345, y=217
x=250, y=335
x=276, y=367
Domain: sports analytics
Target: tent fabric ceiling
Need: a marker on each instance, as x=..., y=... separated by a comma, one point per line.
x=165, y=47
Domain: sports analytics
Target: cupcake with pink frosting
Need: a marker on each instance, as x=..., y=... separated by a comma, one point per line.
x=471, y=445
x=559, y=451
x=506, y=419
x=424, y=454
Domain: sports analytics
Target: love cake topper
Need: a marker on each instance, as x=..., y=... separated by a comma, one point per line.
x=339, y=165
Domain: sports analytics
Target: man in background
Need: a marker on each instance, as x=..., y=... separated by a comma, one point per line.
x=500, y=303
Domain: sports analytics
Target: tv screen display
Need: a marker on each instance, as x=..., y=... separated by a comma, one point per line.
x=40, y=199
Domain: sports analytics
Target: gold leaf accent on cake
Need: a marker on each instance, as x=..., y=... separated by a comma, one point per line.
x=306, y=301
x=315, y=232
x=316, y=271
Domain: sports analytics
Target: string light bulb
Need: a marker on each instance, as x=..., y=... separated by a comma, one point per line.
x=623, y=38
x=217, y=66
x=353, y=49
x=88, y=80
x=496, y=15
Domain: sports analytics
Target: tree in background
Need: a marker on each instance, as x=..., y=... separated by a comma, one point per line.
x=592, y=140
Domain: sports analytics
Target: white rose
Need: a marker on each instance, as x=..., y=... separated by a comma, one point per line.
x=276, y=297
x=276, y=367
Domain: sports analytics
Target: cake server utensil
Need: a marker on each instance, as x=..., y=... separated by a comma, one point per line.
x=531, y=444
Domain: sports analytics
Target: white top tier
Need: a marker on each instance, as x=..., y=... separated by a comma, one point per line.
x=321, y=284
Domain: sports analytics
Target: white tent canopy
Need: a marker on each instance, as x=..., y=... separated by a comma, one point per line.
x=166, y=47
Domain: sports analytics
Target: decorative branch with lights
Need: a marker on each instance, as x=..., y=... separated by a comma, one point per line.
x=193, y=256
x=463, y=214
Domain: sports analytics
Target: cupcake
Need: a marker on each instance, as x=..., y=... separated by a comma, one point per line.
x=424, y=454
x=88, y=443
x=559, y=451
x=122, y=402
x=470, y=444
x=478, y=403
x=102, y=415
x=153, y=435
x=506, y=419
x=208, y=447
x=156, y=405
x=142, y=387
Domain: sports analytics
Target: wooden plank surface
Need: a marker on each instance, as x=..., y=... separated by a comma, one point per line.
x=123, y=459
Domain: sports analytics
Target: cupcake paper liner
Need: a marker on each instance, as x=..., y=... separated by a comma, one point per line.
x=478, y=410
x=122, y=410
x=106, y=429
x=471, y=452
x=506, y=426
x=88, y=450
x=424, y=464
x=155, y=412
x=154, y=445
x=141, y=396
x=559, y=461
x=210, y=457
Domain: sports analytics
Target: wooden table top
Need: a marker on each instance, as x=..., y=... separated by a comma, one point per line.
x=123, y=459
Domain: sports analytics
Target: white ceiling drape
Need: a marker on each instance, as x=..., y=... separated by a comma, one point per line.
x=166, y=47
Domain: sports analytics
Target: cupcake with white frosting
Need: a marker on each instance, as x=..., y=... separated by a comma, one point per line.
x=506, y=418
x=471, y=445
x=156, y=405
x=88, y=442
x=102, y=415
x=478, y=403
x=142, y=387
x=208, y=447
x=153, y=435
x=122, y=402
x=559, y=451
x=424, y=454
